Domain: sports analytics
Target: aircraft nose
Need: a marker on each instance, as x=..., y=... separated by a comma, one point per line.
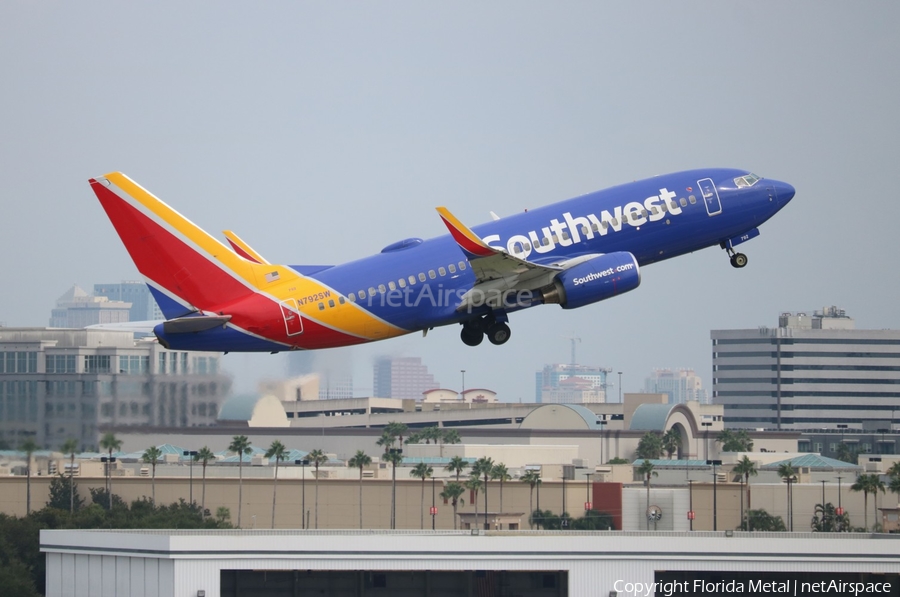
x=783, y=191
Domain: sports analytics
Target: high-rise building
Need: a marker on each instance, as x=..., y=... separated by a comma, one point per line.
x=332, y=368
x=58, y=384
x=681, y=385
x=571, y=384
x=401, y=377
x=78, y=309
x=810, y=372
x=143, y=305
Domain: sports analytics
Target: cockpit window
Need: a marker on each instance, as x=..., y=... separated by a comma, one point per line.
x=746, y=181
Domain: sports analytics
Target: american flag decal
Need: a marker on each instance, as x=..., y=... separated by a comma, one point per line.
x=272, y=276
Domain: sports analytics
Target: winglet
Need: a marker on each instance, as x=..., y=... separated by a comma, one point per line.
x=242, y=248
x=467, y=240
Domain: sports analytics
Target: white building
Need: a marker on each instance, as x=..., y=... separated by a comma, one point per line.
x=681, y=385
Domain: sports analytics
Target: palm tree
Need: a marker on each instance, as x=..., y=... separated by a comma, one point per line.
x=789, y=475
x=501, y=473
x=745, y=468
x=360, y=460
x=317, y=457
x=671, y=440
x=240, y=445
x=204, y=455
x=151, y=456
x=452, y=492
x=278, y=452
x=457, y=464
x=29, y=447
x=389, y=435
x=474, y=484
x=422, y=471
x=448, y=436
x=109, y=442
x=868, y=484
x=650, y=446
x=70, y=446
x=646, y=471
x=484, y=466
x=533, y=478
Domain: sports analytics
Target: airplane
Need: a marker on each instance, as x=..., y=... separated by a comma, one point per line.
x=572, y=253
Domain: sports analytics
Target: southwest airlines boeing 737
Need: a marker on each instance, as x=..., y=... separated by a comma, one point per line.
x=572, y=253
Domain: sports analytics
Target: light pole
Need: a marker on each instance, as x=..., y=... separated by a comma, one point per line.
x=690, y=513
x=564, y=522
x=620, y=387
x=191, y=454
x=714, y=464
x=602, y=423
x=109, y=460
x=433, y=508
x=706, y=425
x=463, y=393
x=842, y=426
x=303, y=464
x=588, y=504
x=840, y=509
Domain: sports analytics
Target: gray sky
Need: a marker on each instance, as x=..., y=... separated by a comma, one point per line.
x=321, y=132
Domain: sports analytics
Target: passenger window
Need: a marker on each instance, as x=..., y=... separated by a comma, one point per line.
x=683, y=202
x=402, y=282
x=421, y=277
x=545, y=241
x=351, y=298
x=362, y=294
x=321, y=306
x=604, y=225
x=341, y=300
x=371, y=291
x=614, y=222
x=654, y=210
x=535, y=244
x=391, y=285
x=595, y=227
x=565, y=235
x=412, y=280
x=693, y=199
x=381, y=288
x=331, y=303
x=442, y=271
x=462, y=265
x=644, y=213
x=555, y=239
x=452, y=268
x=664, y=207
x=431, y=274
x=584, y=230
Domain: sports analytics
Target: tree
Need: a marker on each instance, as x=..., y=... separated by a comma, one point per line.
x=109, y=442
x=452, y=492
x=63, y=495
x=789, y=475
x=223, y=515
x=500, y=473
x=203, y=456
x=616, y=460
x=240, y=445
x=389, y=436
x=278, y=452
x=735, y=441
x=827, y=520
x=745, y=468
x=671, y=441
x=760, y=520
x=29, y=447
x=151, y=456
x=316, y=458
x=867, y=484
x=70, y=446
x=484, y=466
x=650, y=447
x=422, y=471
x=646, y=471
x=448, y=436
x=846, y=453
x=360, y=460
x=533, y=478
x=894, y=484
x=457, y=465
x=474, y=485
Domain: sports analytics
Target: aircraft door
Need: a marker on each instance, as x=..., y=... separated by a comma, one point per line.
x=292, y=322
x=710, y=196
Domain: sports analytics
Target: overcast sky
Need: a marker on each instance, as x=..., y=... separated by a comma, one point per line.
x=321, y=132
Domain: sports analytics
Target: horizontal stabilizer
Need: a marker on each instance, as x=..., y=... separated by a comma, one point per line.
x=138, y=327
x=198, y=323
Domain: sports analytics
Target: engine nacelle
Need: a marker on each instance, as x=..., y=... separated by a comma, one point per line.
x=594, y=280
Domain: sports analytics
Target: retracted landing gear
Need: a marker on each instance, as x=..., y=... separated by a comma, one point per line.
x=493, y=326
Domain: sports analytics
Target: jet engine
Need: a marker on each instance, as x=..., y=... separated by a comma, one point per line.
x=594, y=280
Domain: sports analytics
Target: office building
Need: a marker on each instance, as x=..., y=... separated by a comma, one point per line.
x=811, y=372
x=143, y=305
x=401, y=377
x=78, y=309
x=681, y=385
x=571, y=384
x=58, y=384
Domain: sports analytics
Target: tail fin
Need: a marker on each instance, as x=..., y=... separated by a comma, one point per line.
x=179, y=260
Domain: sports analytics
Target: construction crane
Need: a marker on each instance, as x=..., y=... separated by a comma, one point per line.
x=573, y=338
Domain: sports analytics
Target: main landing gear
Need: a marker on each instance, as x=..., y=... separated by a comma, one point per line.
x=495, y=328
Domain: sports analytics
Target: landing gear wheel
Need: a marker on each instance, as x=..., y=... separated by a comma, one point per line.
x=738, y=260
x=471, y=337
x=498, y=333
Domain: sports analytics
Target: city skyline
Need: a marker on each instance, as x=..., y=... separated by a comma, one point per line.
x=321, y=134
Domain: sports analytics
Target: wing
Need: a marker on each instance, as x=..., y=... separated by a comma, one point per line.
x=495, y=270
